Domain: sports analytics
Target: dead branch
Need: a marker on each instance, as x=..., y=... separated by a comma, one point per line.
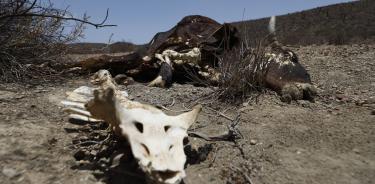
x=248, y=179
x=221, y=114
x=231, y=135
x=34, y=37
x=27, y=12
x=97, y=25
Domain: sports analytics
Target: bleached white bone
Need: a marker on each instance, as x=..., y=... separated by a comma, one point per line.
x=193, y=56
x=83, y=118
x=73, y=104
x=75, y=97
x=84, y=90
x=156, y=139
x=171, y=57
x=81, y=112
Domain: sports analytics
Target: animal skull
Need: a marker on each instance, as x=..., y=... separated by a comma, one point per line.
x=156, y=139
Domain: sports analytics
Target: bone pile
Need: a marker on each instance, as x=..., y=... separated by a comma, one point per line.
x=155, y=139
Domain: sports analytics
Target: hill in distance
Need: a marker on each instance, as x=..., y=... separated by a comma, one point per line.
x=344, y=23
x=94, y=48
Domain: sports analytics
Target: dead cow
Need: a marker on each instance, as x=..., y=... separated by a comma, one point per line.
x=197, y=41
x=193, y=47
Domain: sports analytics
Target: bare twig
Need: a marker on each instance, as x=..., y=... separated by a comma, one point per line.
x=248, y=179
x=221, y=137
x=30, y=14
x=221, y=114
x=34, y=36
x=231, y=135
x=97, y=25
x=173, y=101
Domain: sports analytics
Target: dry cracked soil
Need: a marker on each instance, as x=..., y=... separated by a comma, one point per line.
x=329, y=141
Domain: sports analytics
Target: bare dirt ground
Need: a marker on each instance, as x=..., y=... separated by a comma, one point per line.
x=329, y=141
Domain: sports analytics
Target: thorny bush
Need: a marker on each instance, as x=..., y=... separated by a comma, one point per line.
x=34, y=36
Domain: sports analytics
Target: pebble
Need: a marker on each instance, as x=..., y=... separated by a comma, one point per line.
x=93, y=152
x=253, y=142
x=370, y=100
x=340, y=96
x=9, y=172
x=355, y=150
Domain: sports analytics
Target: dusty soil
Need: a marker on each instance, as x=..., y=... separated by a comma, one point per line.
x=329, y=141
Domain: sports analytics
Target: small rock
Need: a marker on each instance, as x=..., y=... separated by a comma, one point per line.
x=340, y=96
x=253, y=142
x=360, y=102
x=93, y=152
x=245, y=104
x=370, y=100
x=52, y=141
x=355, y=150
x=82, y=162
x=10, y=173
x=20, y=97
x=303, y=103
x=339, y=92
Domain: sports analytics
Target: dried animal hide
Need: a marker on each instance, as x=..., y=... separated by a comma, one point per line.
x=190, y=50
x=195, y=31
x=156, y=139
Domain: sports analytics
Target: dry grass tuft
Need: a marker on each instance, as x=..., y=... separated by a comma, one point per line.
x=241, y=76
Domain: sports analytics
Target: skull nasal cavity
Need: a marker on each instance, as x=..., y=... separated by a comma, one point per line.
x=139, y=126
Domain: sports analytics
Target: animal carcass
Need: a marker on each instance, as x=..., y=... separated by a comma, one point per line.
x=194, y=45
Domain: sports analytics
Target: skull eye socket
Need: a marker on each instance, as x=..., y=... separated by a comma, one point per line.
x=166, y=128
x=139, y=126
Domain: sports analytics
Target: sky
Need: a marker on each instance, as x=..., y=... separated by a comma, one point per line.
x=139, y=20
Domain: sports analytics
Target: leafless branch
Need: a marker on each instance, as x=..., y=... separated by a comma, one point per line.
x=97, y=25
x=231, y=135
x=35, y=35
